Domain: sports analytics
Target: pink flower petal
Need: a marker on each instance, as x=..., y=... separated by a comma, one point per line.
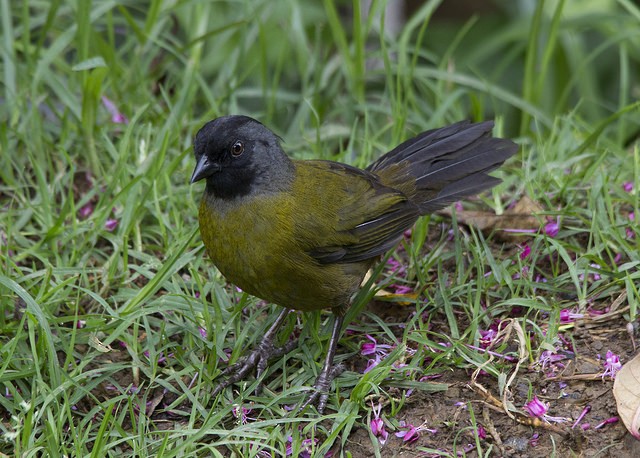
x=111, y=224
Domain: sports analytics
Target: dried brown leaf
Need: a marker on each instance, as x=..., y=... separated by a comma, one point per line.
x=626, y=390
x=523, y=216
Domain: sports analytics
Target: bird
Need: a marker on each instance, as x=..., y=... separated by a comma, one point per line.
x=302, y=234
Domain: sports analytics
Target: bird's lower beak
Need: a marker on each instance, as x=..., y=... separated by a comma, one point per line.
x=204, y=168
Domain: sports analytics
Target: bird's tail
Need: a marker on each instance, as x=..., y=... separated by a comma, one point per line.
x=445, y=164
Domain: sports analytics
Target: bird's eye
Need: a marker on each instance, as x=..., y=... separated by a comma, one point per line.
x=237, y=148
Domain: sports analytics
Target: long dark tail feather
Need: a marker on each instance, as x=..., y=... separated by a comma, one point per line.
x=433, y=143
x=462, y=188
x=449, y=163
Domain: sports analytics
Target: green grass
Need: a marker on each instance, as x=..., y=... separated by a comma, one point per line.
x=158, y=322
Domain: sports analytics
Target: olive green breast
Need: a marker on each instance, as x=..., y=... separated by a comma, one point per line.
x=261, y=243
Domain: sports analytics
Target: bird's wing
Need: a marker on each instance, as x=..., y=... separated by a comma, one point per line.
x=352, y=217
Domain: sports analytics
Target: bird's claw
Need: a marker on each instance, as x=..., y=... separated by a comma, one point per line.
x=320, y=393
x=258, y=359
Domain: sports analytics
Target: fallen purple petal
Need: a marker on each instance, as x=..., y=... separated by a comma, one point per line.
x=402, y=289
x=493, y=353
x=466, y=449
x=368, y=348
x=371, y=363
x=606, y=422
x=85, y=211
x=242, y=414
x=567, y=316
x=550, y=359
x=308, y=447
x=395, y=267
x=289, y=449
x=111, y=224
x=536, y=408
x=520, y=231
x=409, y=435
x=585, y=411
x=552, y=228
x=377, y=424
x=412, y=433
x=612, y=365
x=488, y=337
x=593, y=312
x=376, y=349
x=526, y=251
x=116, y=116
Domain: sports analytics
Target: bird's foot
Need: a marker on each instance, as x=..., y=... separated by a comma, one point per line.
x=258, y=359
x=320, y=393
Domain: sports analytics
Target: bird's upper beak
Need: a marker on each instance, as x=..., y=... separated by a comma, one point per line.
x=204, y=168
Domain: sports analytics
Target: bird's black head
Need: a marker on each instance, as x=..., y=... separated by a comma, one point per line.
x=238, y=156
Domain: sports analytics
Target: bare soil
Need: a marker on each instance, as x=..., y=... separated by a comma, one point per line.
x=577, y=386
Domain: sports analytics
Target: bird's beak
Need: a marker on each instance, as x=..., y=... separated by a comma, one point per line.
x=204, y=168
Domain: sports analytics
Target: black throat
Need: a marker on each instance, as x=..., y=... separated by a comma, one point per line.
x=231, y=183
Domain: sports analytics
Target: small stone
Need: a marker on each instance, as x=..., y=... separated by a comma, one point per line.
x=453, y=393
x=587, y=367
x=519, y=444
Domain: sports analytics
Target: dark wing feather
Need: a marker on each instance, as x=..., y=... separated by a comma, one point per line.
x=373, y=207
x=367, y=221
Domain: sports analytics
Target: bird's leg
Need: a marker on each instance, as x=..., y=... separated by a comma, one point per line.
x=258, y=358
x=320, y=392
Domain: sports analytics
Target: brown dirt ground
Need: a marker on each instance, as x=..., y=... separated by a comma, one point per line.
x=509, y=437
